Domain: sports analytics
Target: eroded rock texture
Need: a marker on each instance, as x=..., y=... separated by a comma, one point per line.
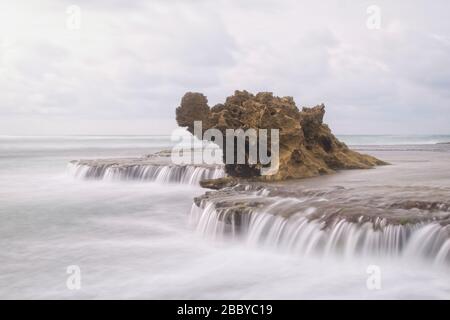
x=307, y=147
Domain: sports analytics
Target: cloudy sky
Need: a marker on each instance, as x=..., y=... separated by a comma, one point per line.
x=121, y=67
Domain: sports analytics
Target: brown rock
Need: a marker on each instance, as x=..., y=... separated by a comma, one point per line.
x=307, y=146
x=219, y=183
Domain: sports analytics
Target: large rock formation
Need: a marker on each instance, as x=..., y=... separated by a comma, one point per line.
x=306, y=145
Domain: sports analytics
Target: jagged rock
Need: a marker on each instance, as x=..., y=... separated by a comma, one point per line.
x=306, y=145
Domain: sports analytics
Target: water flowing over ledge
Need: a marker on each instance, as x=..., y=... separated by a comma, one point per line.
x=143, y=170
x=305, y=225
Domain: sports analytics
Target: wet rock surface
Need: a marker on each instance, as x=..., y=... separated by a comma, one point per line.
x=374, y=205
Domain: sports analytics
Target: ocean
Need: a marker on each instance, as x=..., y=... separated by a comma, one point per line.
x=137, y=239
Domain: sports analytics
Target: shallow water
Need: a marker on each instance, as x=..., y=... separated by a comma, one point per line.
x=134, y=240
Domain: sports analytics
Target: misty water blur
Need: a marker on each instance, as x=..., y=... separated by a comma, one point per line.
x=133, y=240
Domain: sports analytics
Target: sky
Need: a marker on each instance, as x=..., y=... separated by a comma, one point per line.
x=121, y=67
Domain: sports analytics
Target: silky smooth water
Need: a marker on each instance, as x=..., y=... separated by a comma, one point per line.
x=133, y=239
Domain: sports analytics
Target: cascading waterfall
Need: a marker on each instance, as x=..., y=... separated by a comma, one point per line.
x=300, y=233
x=183, y=174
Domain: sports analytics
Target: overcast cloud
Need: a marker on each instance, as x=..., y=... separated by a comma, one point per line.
x=127, y=66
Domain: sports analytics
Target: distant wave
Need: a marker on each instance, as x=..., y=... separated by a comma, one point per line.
x=86, y=137
x=386, y=140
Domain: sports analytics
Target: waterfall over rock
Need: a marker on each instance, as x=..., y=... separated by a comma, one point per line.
x=162, y=173
x=305, y=226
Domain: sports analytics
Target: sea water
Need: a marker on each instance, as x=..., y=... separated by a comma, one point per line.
x=133, y=239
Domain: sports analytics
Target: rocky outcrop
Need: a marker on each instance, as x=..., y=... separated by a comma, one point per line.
x=306, y=145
